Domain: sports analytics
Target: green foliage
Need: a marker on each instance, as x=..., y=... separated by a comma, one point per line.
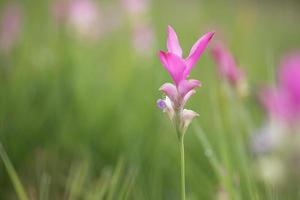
x=67, y=100
x=112, y=184
x=13, y=175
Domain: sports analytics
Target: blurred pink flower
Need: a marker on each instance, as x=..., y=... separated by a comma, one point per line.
x=10, y=27
x=81, y=16
x=178, y=92
x=59, y=10
x=84, y=16
x=227, y=65
x=283, y=102
x=135, y=7
x=143, y=38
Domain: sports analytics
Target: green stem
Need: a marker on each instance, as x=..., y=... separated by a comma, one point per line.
x=182, y=167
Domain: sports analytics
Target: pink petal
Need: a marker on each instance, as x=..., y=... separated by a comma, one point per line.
x=169, y=109
x=83, y=16
x=10, y=26
x=289, y=74
x=189, y=114
x=187, y=85
x=196, y=51
x=173, y=43
x=227, y=66
x=187, y=96
x=277, y=103
x=284, y=101
x=174, y=65
x=187, y=117
x=170, y=90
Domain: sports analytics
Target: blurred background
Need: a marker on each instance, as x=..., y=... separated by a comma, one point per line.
x=79, y=82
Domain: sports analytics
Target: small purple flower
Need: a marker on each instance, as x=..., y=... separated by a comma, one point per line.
x=161, y=104
x=178, y=92
x=227, y=65
x=283, y=101
x=10, y=27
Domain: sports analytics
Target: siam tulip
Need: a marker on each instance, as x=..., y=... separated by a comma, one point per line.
x=136, y=7
x=277, y=143
x=10, y=27
x=143, y=38
x=83, y=15
x=143, y=33
x=59, y=10
x=227, y=67
x=178, y=92
x=283, y=102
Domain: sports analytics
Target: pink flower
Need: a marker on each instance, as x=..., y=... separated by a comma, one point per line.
x=179, y=68
x=142, y=35
x=135, y=7
x=178, y=92
x=227, y=65
x=84, y=15
x=143, y=38
x=283, y=101
x=59, y=10
x=10, y=27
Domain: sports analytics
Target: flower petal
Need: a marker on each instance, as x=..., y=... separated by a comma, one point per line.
x=187, y=117
x=170, y=90
x=226, y=63
x=277, y=102
x=187, y=96
x=174, y=65
x=196, y=51
x=187, y=85
x=161, y=104
x=169, y=109
x=289, y=74
x=173, y=43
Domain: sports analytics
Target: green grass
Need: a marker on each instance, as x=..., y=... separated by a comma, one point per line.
x=78, y=119
x=112, y=183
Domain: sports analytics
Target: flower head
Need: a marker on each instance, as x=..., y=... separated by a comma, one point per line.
x=178, y=92
x=227, y=65
x=283, y=101
x=143, y=38
x=59, y=10
x=135, y=7
x=10, y=26
x=84, y=17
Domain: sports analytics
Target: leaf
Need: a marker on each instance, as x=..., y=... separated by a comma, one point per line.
x=13, y=175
